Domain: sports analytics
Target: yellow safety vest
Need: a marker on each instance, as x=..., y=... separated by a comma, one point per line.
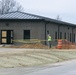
x=49, y=38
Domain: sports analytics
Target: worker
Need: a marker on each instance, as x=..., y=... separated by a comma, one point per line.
x=49, y=40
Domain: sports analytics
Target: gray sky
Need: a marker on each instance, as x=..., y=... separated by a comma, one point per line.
x=51, y=8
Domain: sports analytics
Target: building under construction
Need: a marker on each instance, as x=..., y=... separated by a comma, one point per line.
x=20, y=25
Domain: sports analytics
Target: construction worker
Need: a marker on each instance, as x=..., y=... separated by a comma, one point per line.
x=49, y=40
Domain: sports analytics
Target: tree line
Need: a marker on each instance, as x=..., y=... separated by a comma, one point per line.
x=7, y=6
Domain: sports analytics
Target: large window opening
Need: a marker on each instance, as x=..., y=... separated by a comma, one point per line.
x=64, y=35
x=55, y=35
x=26, y=34
x=60, y=35
x=70, y=37
x=74, y=37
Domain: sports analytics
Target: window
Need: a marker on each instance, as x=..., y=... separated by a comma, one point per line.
x=64, y=35
x=74, y=37
x=70, y=37
x=4, y=34
x=60, y=35
x=26, y=34
x=47, y=32
x=55, y=35
x=4, y=40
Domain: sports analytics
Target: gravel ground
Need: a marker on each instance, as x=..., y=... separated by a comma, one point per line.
x=13, y=58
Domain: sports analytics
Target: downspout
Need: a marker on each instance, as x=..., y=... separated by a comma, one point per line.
x=45, y=31
x=72, y=35
x=58, y=31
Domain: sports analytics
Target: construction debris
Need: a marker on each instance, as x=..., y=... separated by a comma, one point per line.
x=65, y=45
x=37, y=46
x=68, y=45
x=32, y=46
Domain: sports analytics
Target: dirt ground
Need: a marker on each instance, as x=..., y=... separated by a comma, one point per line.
x=13, y=57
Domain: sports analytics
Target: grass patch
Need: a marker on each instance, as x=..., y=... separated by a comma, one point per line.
x=34, y=57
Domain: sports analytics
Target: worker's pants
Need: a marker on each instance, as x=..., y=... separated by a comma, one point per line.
x=49, y=44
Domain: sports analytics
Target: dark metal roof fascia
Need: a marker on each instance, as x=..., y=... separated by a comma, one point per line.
x=21, y=20
x=60, y=22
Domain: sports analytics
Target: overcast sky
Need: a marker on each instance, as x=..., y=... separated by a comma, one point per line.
x=66, y=9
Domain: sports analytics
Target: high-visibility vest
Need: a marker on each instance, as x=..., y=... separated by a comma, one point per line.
x=49, y=38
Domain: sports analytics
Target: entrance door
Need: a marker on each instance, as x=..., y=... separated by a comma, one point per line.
x=6, y=36
x=26, y=34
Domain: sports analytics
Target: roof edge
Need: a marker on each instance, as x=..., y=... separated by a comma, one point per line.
x=44, y=18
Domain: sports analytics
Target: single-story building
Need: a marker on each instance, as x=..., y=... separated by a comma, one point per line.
x=20, y=25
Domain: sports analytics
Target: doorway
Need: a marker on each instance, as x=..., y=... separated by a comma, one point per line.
x=6, y=36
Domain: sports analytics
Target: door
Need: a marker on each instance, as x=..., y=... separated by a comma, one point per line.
x=26, y=34
x=6, y=36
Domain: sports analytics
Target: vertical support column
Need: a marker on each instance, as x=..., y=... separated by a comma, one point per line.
x=72, y=35
x=46, y=30
x=45, y=33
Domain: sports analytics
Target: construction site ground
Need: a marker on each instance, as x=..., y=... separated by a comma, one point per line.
x=21, y=57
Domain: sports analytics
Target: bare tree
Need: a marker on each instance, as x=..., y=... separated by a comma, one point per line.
x=58, y=17
x=9, y=6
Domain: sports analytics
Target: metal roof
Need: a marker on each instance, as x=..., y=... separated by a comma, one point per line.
x=18, y=15
x=22, y=15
